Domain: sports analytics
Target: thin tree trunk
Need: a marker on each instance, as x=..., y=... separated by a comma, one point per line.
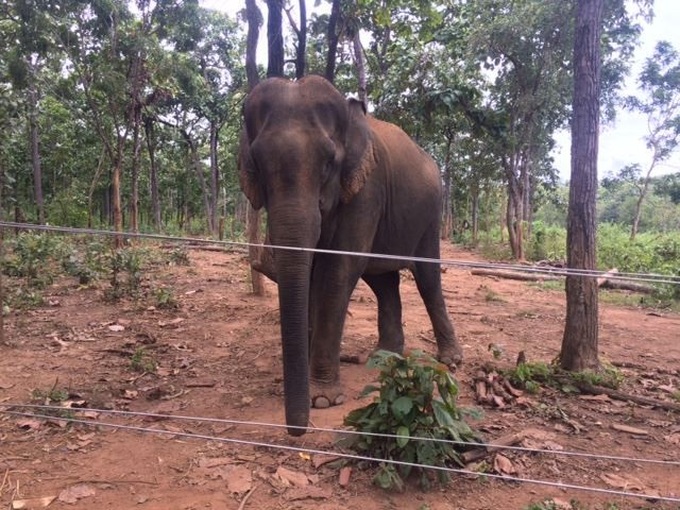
x=300, y=61
x=214, y=179
x=361, y=68
x=115, y=196
x=475, y=215
x=34, y=137
x=254, y=17
x=332, y=41
x=252, y=216
x=447, y=211
x=153, y=173
x=134, y=175
x=580, y=341
x=638, y=205
x=275, y=38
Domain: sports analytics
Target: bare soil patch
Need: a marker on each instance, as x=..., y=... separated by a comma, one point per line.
x=218, y=355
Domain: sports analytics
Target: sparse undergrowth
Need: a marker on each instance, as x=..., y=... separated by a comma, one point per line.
x=531, y=376
x=33, y=261
x=416, y=399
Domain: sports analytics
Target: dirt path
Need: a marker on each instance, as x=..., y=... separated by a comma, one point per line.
x=218, y=355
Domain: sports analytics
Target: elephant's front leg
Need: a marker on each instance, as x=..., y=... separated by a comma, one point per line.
x=333, y=280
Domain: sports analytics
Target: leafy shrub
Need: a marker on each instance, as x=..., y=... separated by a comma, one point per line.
x=547, y=242
x=416, y=399
x=126, y=273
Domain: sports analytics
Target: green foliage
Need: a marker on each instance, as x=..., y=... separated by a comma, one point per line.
x=32, y=257
x=416, y=399
x=531, y=376
x=141, y=361
x=126, y=273
x=547, y=242
x=165, y=298
x=179, y=256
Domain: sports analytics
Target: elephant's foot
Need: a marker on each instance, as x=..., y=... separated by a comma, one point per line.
x=326, y=395
x=451, y=356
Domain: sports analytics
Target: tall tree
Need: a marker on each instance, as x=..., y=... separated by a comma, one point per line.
x=659, y=84
x=275, y=37
x=253, y=216
x=580, y=341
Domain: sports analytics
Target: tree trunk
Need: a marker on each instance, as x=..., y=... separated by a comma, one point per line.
x=34, y=137
x=332, y=41
x=361, y=68
x=115, y=198
x=300, y=60
x=475, y=214
x=641, y=198
x=580, y=341
x=447, y=211
x=153, y=173
x=275, y=38
x=214, y=179
x=252, y=216
x=254, y=17
x=514, y=218
x=134, y=175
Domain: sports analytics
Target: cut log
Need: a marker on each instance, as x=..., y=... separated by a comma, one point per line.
x=623, y=285
x=605, y=277
x=514, y=275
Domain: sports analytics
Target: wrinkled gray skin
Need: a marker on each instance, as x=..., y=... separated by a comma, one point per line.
x=332, y=177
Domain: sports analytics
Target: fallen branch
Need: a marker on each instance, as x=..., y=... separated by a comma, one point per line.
x=626, y=397
x=500, y=444
x=246, y=497
x=513, y=275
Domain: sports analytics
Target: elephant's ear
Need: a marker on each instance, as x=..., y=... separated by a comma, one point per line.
x=247, y=176
x=359, y=159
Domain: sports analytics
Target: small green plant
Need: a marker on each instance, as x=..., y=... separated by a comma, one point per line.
x=126, y=273
x=608, y=376
x=51, y=396
x=179, y=256
x=142, y=362
x=543, y=505
x=416, y=399
x=530, y=376
x=165, y=298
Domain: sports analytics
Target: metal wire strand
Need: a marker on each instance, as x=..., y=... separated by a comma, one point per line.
x=313, y=451
x=547, y=271
x=258, y=424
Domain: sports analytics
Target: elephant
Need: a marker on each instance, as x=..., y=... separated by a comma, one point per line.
x=333, y=177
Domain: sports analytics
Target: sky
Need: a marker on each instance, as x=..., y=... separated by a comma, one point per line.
x=621, y=142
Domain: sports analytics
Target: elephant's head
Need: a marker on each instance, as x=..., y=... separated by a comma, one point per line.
x=304, y=150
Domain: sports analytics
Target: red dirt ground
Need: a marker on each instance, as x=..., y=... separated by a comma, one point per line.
x=218, y=355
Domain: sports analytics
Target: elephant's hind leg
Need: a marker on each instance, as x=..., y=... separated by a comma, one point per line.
x=428, y=280
x=386, y=289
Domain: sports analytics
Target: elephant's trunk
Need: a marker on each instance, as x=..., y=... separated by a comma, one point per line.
x=293, y=271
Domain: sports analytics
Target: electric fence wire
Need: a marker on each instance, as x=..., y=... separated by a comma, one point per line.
x=8, y=406
x=644, y=277
x=313, y=451
x=541, y=270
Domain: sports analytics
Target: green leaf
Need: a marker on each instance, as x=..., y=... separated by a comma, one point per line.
x=442, y=414
x=401, y=407
x=403, y=435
